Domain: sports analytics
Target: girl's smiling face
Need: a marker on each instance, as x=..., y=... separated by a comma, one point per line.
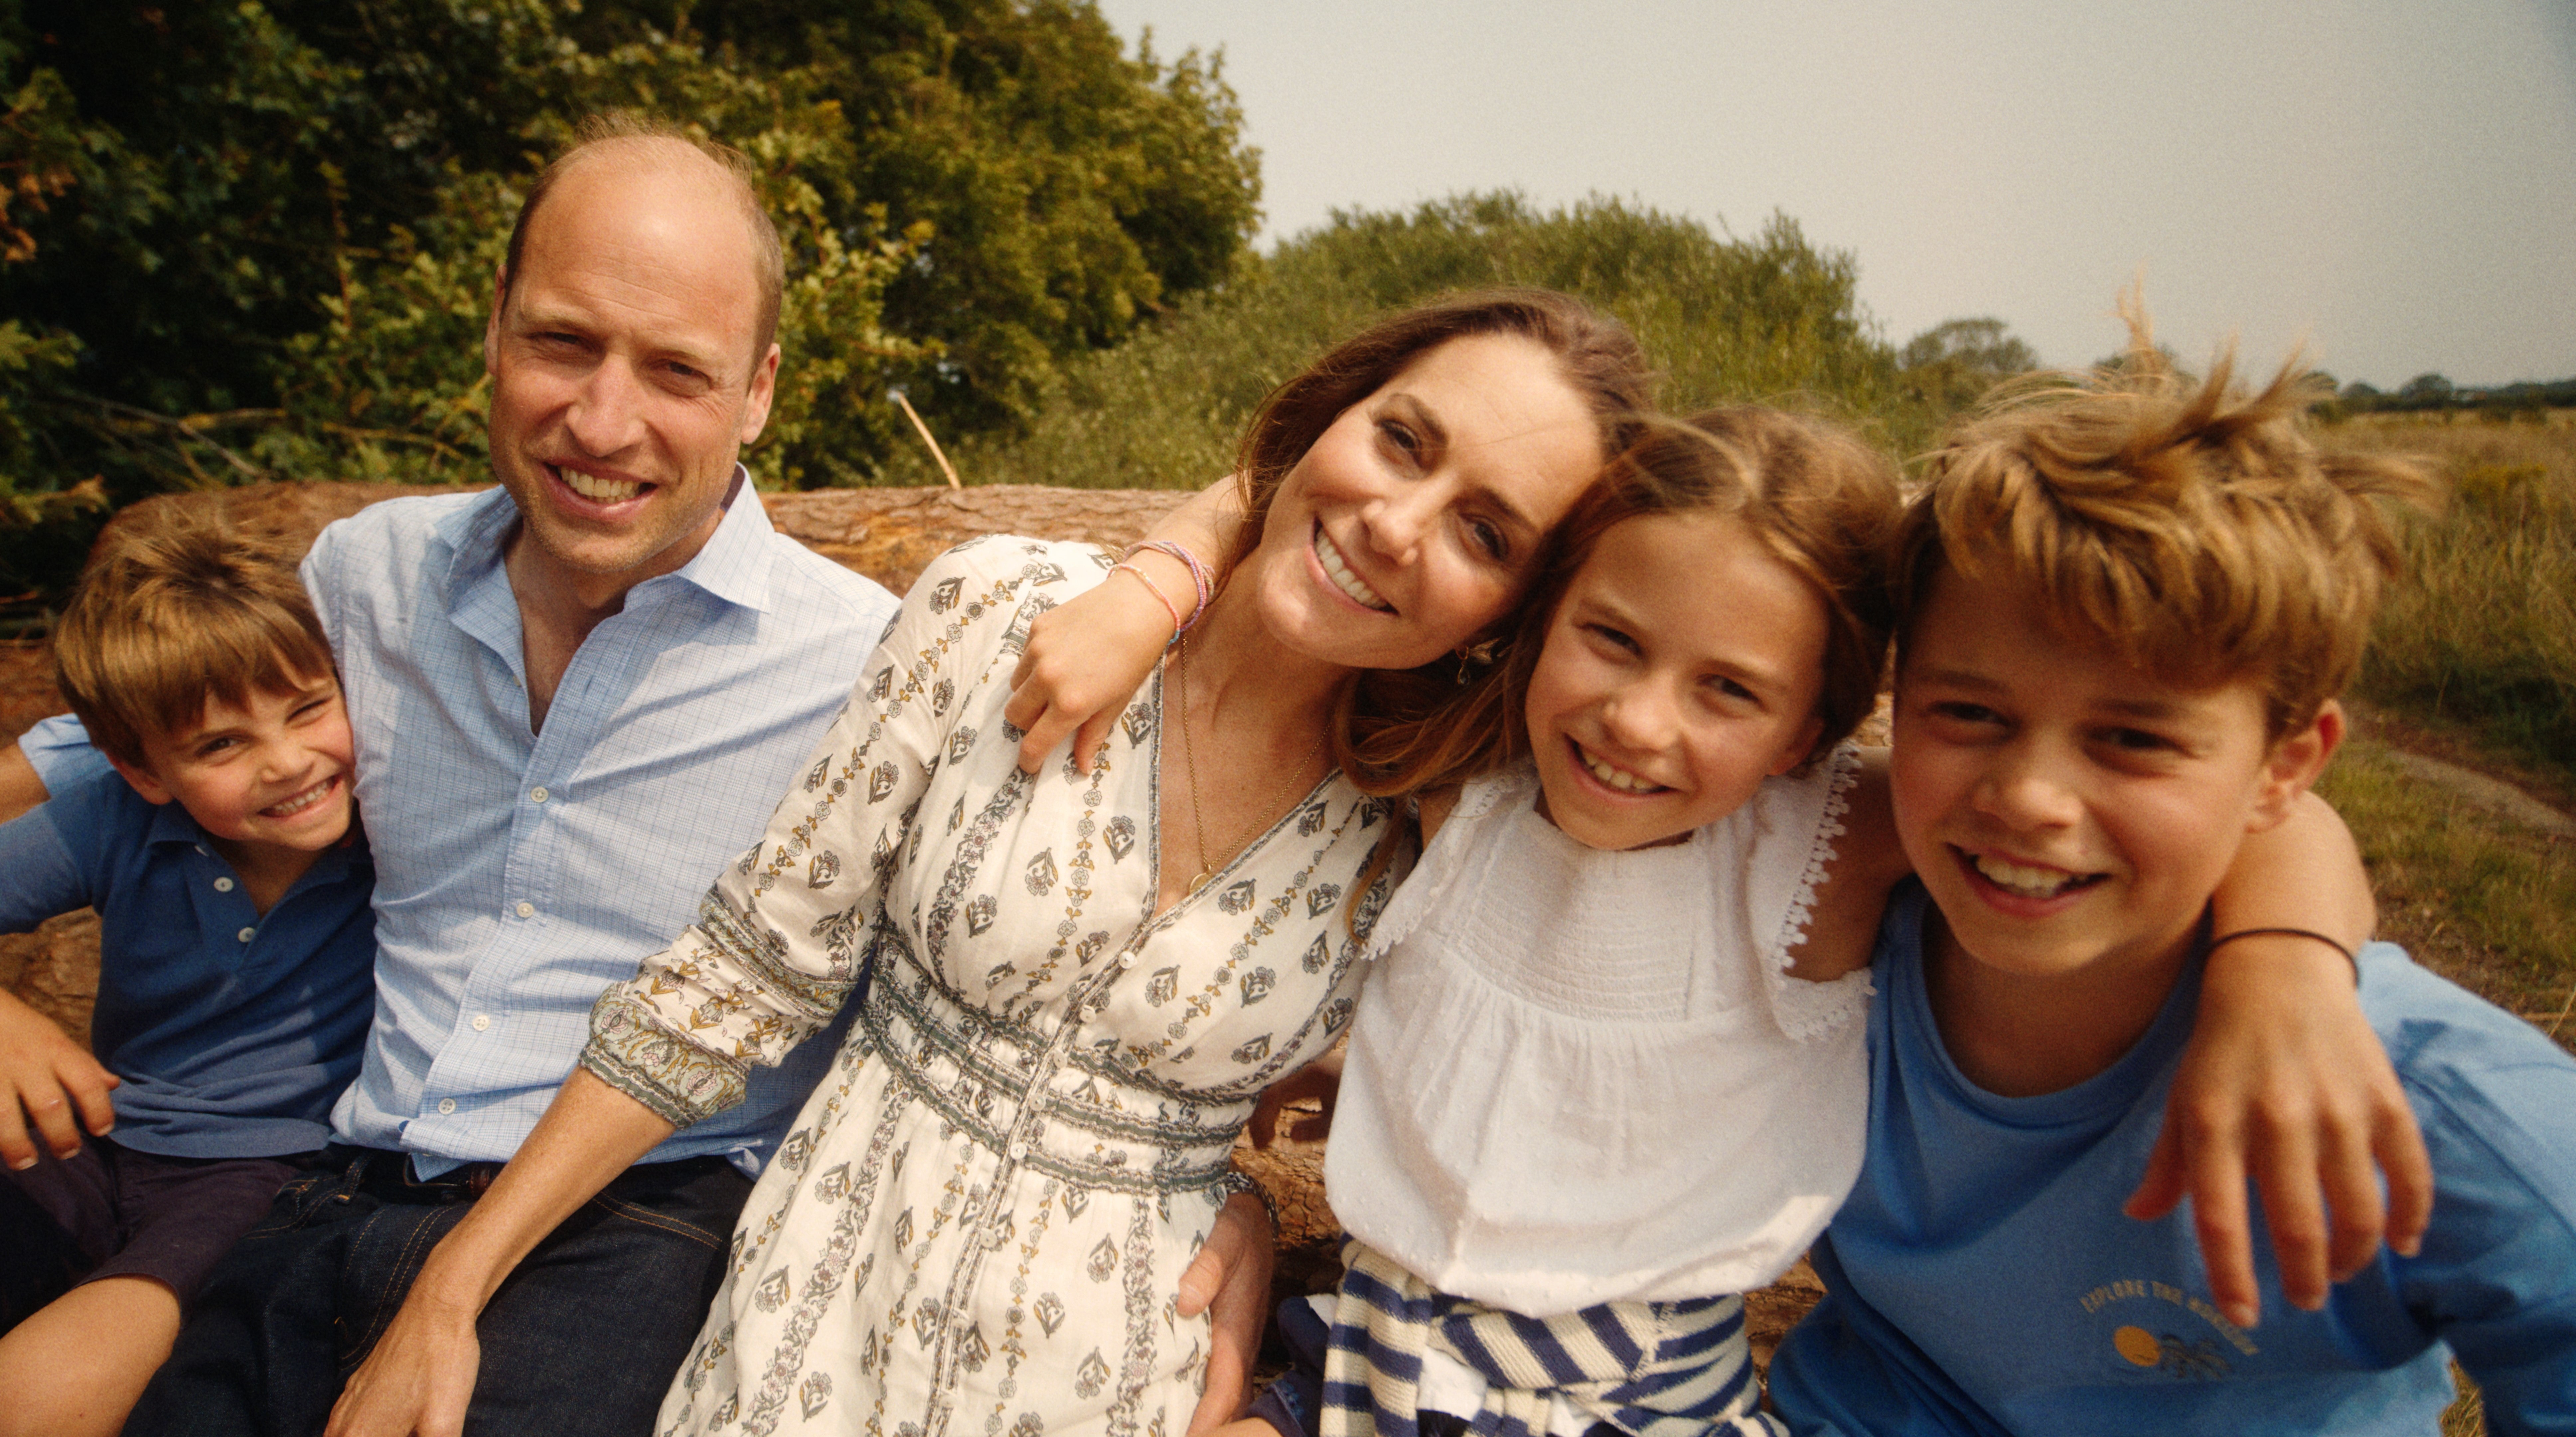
x=1415, y=520
x=1681, y=669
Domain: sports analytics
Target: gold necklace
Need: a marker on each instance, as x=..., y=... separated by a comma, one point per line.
x=1190, y=765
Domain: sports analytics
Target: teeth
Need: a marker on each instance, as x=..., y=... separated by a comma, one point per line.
x=1618, y=778
x=2026, y=882
x=605, y=491
x=301, y=801
x=1342, y=577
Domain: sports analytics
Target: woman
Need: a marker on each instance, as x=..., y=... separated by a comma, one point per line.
x=1081, y=980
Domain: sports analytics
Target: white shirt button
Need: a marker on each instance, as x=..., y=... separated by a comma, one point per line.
x=247, y=934
x=482, y=1021
x=537, y=794
x=223, y=885
x=524, y=910
x=446, y=1106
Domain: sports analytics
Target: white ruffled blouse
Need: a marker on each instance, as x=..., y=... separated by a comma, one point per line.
x=1582, y=1077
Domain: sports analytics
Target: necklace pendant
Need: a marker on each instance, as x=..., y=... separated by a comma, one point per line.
x=1200, y=879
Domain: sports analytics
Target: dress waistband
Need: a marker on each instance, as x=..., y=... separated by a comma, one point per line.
x=1032, y=1097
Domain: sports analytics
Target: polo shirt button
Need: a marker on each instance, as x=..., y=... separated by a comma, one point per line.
x=223, y=885
x=446, y=1106
x=524, y=910
x=482, y=1021
x=247, y=934
x=537, y=794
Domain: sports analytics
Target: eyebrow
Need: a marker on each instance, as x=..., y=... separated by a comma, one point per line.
x=2159, y=709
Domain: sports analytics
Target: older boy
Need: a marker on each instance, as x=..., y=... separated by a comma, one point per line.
x=236, y=947
x=2126, y=607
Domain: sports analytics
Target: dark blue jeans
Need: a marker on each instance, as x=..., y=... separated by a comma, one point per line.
x=581, y=1339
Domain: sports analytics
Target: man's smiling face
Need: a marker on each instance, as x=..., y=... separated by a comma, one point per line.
x=623, y=377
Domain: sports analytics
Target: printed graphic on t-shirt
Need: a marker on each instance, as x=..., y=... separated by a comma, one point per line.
x=2156, y=1327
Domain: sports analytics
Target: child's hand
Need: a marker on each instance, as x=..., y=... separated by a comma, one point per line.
x=1321, y=1080
x=1085, y=660
x=46, y=1080
x=2285, y=1081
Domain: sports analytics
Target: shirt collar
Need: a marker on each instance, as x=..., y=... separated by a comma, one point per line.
x=732, y=567
x=172, y=823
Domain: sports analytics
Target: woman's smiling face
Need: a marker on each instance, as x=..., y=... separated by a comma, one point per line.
x=1416, y=519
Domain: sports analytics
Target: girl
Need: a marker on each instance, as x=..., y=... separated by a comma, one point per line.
x=1560, y=1161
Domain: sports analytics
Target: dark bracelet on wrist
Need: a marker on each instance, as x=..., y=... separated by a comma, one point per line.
x=2348, y=955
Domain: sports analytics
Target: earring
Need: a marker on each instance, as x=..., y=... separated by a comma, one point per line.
x=1472, y=657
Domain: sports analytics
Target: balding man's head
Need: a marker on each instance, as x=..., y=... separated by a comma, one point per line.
x=623, y=138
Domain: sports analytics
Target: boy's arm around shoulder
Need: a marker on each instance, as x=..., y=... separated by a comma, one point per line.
x=51, y=1088
x=1842, y=928
x=2285, y=1080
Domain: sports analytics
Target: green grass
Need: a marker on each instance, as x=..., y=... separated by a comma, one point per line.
x=2479, y=898
x=2480, y=635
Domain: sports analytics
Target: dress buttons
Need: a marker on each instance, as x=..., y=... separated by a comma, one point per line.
x=1017, y=1148
x=482, y=1021
x=223, y=885
x=537, y=794
x=526, y=910
x=446, y=1106
x=247, y=934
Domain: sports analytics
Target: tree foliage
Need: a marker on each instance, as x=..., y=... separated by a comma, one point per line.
x=1767, y=317
x=257, y=238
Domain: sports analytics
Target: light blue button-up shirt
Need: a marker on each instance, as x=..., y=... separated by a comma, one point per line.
x=517, y=873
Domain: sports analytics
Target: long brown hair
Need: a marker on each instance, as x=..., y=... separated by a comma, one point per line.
x=1820, y=501
x=1596, y=354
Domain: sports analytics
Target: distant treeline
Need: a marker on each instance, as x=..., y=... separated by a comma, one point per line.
x=2431, y=392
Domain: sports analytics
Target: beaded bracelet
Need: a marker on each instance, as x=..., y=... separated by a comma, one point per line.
x=1123, y=567
x=2348, y=955
x=1199, y=577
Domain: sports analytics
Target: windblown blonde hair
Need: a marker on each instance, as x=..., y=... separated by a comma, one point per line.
x=2195, y=530
x=174, y=612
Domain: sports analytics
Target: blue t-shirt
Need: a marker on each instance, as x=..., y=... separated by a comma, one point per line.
x=233, y=1032
x=1982, y=1279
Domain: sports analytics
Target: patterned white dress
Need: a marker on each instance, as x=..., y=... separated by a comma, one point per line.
x=979, y=1221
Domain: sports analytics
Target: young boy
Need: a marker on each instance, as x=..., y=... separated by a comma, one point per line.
x=2126, y=607
x=235, y=979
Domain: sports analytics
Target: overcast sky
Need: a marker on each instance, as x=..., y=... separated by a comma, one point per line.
x=2393, y=182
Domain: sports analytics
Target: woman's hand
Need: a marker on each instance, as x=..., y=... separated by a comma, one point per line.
x=49, y=1083
x=1230, y=1281
x=420, y=1375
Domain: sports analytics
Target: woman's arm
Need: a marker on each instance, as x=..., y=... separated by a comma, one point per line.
x=2285, y=1081
x=1086, y=659
x=1842, y=929
x=421, y=1373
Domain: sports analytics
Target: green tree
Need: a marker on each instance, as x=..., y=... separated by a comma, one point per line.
x=256, y=238
x=1950, y=366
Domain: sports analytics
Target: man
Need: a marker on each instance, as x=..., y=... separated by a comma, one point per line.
x=574, y=698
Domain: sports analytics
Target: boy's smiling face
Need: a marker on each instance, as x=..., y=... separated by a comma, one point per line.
x=2064, y=807
x=272, y=771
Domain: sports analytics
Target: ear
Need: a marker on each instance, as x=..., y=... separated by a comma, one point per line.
x=2294, y=763
x=764, y=388
x=1794, y=752
x=492, y=326
x=152, y=788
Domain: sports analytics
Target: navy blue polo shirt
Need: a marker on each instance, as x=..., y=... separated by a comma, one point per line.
x=234, y=1032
